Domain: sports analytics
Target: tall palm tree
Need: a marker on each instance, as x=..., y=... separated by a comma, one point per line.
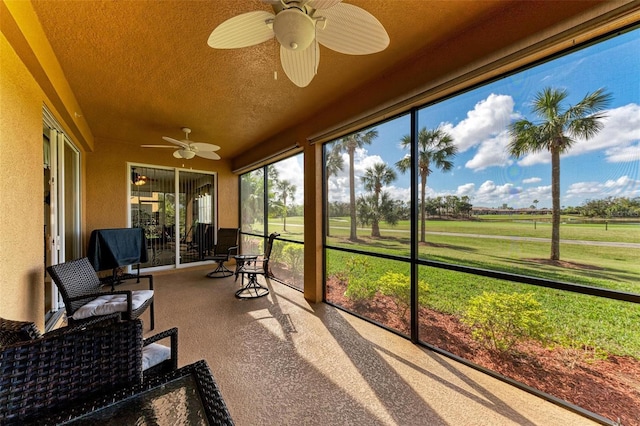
x=375, y=177
x=333, y=164
x=349, y=144
x=556, y=132
x=286, y=191
x=435, y=150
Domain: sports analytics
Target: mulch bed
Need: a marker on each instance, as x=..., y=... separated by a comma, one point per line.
x=609, y=387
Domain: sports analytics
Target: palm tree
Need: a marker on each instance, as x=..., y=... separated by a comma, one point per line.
x=372, y=211
x=556, y=132
x=375, y=177
x=435, y=149
x=286, y=191
x=333, y=164
x=349, y=144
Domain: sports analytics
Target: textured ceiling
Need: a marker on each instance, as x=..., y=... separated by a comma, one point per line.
x=141, y=69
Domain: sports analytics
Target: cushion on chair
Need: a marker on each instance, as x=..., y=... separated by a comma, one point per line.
x=154, y=354
x=110, y=303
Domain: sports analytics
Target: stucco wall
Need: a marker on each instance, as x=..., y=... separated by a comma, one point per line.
x=107, y=180
x=21, y=191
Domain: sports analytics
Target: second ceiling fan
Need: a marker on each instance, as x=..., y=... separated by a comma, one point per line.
x=189, y=149
x=299, y=25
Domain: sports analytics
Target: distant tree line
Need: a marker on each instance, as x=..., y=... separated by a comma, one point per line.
x=610, y=207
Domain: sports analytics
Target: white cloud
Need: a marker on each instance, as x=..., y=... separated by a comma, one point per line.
x=488, y=118
x=532, y=180
x=623, y=154
x=403, y=194
x=291, y=169
x=624, y=186
x=491, y=152
x=466, y=189
x=489, y=194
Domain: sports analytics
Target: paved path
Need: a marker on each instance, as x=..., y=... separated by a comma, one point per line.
x=516, y=238
x=541, y=240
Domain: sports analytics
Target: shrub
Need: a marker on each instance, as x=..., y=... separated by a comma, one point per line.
x=398, y=287
x=293, y=255
x=501, y=320
x=359, y=286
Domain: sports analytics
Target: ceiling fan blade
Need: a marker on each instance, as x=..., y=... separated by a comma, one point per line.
x=323, y=4
x=352, y=30
x=175, y=141
x=202, y=146
x=208, y=154
x=243, y=30
x=300, y=66
x=157, y=146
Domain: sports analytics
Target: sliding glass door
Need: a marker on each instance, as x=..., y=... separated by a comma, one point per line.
x=61, y=179
x=176, y=208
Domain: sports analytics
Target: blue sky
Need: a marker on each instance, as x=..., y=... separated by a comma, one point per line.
x=606, y=165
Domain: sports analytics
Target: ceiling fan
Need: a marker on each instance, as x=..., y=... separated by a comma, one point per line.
x=299, y=25
x=189, y=149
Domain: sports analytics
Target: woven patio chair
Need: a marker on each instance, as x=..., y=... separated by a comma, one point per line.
x=225, y=246
x=83, y=298
x=73, y=364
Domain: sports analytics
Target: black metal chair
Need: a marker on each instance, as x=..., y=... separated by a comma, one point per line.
x=82, y=294
x=226, y=245
x=254, y=267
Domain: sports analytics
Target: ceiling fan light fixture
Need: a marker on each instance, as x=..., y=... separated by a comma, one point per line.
x=294, y=29
x=187, y=154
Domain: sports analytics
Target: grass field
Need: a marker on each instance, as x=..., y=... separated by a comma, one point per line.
x=576, y=320
x=513, y=244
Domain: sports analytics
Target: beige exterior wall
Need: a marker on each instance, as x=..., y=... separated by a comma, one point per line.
x=107, y=180
x=21, y=190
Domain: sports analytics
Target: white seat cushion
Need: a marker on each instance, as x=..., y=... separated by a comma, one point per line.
x=154, y=354
x=111, y=303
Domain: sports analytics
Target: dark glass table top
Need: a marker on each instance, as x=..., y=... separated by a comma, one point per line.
x=186, y=396
x=175, y=403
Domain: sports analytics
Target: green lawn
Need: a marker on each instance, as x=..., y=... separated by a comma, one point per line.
x=577, y=319
x=595, y=265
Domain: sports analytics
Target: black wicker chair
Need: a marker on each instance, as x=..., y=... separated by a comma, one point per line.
x=226, y=245
x=81, y=291
x=73, y=364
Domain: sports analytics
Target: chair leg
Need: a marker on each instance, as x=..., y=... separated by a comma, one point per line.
x=220, y=272
x=153, y=316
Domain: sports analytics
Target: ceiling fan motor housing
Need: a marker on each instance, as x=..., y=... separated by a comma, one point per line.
x=294, y=29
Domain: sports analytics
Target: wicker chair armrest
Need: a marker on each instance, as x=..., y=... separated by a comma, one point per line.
x=112, y=281
x=233, y=250
x=12, y=331
x=97, y=321
x=171, y=333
